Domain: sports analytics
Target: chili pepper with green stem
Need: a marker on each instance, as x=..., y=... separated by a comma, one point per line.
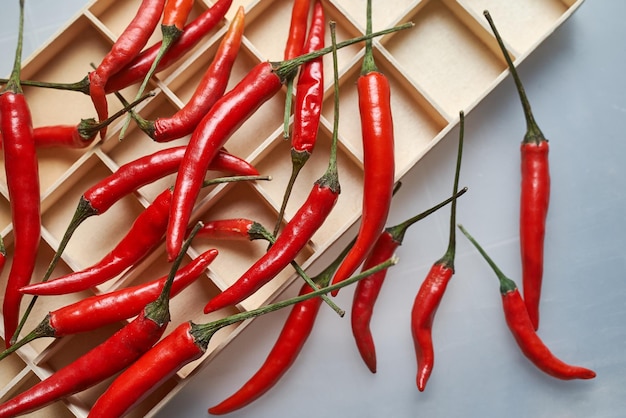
x=175, y=15
x=210, y=88
x=308, y=106
x=522, y=328
x=367, y=290
x=103, y=361
x=226, y=115
x=433, y=288
x=186, y=343
x=125, y=48
x=296, y=234
x=374, y=97
x=22, y=177
x=143, y=236
x=99, y=310
x=535, y=195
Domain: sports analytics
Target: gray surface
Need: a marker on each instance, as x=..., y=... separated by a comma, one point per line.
x=575, y=81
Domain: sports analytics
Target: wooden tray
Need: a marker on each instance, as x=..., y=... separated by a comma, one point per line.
x=449, y=61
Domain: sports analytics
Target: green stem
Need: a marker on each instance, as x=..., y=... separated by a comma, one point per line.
x=203, y=332
x=14, y=84
x=298, y=159
x=369, y=65
x=81, y=86
x=288, y=103
x=506, y=285
x=533, y=133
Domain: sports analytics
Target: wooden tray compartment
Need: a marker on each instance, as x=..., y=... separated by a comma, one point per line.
x=449, y=61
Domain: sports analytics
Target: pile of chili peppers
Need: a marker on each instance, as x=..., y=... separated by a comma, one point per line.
x=207, y=120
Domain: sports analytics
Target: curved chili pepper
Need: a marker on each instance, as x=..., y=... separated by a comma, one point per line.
x=103, y=361
x=143, y=236
x=292, y=338
x=298, y=230
x=137, y=69
x=433, y=288
x=522, y=328
x=175, y=16
x=127, y=46
x=368, y=289
x=186, y=343
x=294, y=47
x=96, y=311
x=22, y=176
x=308, y=106
x=378, y=157
x=232, y=229
x=535, y=195
x=210, y=88
x=226, y=115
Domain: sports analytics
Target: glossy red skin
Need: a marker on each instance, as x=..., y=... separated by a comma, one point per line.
x=532, y=347
x=145, y=170
x=226, y=229
x=176, y=13
x=423, y=315
x=294, y=237
x=310, y=88
x=22, y=174
x=365, y=295
x=226, y=115
x=534, y=201
x=297, y=29
x=128, y=46
x=192, y=34
x=100, y=363
x=379, y=168
x=144, y=235
x=145, y=375
x=59, y=136
x=210, y=88
x=292, y=338
x=96, y=311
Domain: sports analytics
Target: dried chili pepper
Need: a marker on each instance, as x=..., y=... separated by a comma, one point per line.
x=292, y=338
x=210, y=88
x=96, y=311
x=535, y=195
x=378, y=157
x=22, y=176
x=103, y=361
x=127, y=46
x=137, y=69
x=522, y=328
x=308, y=106
x=226, y=115
x=184, y=344
x=294, y=47
x=143, y=236
x=433, y=288
x=175, y=16
x=368, y=289
x=298, y=230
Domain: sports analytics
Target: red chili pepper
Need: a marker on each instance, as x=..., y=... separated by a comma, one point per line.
x=232, y=229
x=226, y=115
x=521, y=327
x=137, y=69
x=127, y=46
x=297, y=232
x=292, y=338
x=378, y=157
x=22, y=176
x=308, y=106
x=368, y=289
x=175, y=16
x=433, y=288
x=209, y=90
x=99, y=310
x=143, y=236
x=103, y=361
x=184, y=344
x=535, y=195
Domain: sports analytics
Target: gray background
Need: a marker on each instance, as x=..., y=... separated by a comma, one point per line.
x=575, y=82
